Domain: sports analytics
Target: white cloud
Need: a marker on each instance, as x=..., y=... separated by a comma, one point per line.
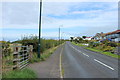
x=102, y=17
x=84, y=12
x=57, y=8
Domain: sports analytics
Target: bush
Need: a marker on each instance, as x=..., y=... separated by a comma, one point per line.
x=85, y=41
x=109, y=43
x=112, y=44
x=6, y=50
x=33, y=40
x=93, y=44
x=118, y=44
x=108, y=48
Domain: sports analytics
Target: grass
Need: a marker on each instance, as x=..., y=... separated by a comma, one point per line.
x=24, y=73
x=44, y=55
x=100, y=51
x=28, y=73
x=63, y=71
x=106, y=53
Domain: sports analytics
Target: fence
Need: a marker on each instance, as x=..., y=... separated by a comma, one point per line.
x=21, y=56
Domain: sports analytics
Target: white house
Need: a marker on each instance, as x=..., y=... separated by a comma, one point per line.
x=88, y=38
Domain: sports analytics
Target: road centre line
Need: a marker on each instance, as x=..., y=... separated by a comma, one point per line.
x=103, y=64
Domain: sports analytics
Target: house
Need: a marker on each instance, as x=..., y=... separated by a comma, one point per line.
x=114, y=36
x=98, y=36
x=111, y=36
x=87, y=38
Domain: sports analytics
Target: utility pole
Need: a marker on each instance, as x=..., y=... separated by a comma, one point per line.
x=60, y=32
x=59, y=35
x=39, y=42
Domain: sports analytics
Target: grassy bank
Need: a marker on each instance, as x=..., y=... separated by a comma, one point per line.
x=106, y=53
x=24, y=73
x=44, y=55
x=100, y=51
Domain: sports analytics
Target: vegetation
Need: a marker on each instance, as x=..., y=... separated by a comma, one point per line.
x=44, y=55
x=6, y=51
x=33, y=40
x=106, y=53
x=63, y=71
x=105, y=47
x=48, y=46
x=71, y=38
x=24, y=73
x=84, y=37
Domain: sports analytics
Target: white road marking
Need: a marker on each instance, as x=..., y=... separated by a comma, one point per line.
x=104, y=64
x=85, y=54
x=79, y=51
x=61, y=76
x=95, y=59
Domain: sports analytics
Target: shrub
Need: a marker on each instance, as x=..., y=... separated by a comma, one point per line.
x=112, y=44
x=109, y=43
x=93, y=44
x=33, y=40
x=6, y=50
x=108, y=48
x=85, y=41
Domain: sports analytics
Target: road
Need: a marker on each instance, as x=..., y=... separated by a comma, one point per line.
x=78, y=62
x=71, y=61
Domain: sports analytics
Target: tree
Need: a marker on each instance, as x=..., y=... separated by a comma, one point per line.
x=71, y=39
x=83, y=37
x=80, y=39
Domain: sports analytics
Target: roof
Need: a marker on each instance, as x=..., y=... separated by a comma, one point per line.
x=88, y=37
x=114, y=32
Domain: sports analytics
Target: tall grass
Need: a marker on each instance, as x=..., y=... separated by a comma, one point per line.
x=44, y=55
x=24, y=73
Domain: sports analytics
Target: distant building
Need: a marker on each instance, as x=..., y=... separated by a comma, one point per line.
x=76, y=38
x=87, y=38
x=98, y=36
x=112, y=36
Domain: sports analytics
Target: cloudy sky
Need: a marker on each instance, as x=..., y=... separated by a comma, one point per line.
x=74, y=18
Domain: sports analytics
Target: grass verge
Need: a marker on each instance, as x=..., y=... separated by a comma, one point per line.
x=24, y=73
x=63, y=71
x=106, y=53
x=96, y=50
x=44, y=55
